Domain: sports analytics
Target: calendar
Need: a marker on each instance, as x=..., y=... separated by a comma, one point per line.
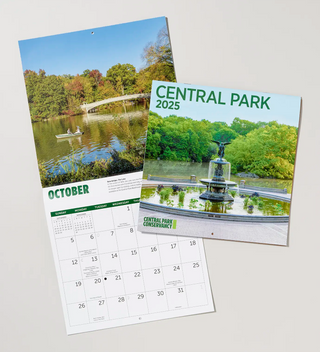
x=109, y=273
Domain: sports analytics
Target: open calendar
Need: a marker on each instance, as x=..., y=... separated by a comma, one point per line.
x=109, y=273
x=89, y=136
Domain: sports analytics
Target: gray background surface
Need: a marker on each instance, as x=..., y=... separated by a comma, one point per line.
x=266, y=297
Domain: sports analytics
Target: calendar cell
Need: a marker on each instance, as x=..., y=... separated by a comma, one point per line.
x=87, y=244
x=67, y=248
x=157, y=301
x=196, y=295
x=130, y=260
x=110, y=263
x=94, y=288
x=117, y=307
x=71, y=270
x=98, y=310
x=103, y=220
x=153, y=279
x=137, y=304
x=126, y=238
x=90, y=266
x=189, y=250
x=173, y=275
x=113, y=285
x=74, y=291
x=170, y=253
x=177, y=298
x=107, y=241
x=133, y=282
x=78, y=313
x=122, y=216
x=193, y=272
x=150, y=257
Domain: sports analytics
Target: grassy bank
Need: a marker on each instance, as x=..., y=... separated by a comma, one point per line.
x=129, y=160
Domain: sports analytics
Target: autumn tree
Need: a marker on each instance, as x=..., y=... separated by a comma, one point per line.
x=97, y=76
x=159, y=61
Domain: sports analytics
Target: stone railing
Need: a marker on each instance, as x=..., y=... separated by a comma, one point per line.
x=264, y=189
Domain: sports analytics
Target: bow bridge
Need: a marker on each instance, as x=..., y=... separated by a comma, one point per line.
x=90, y=106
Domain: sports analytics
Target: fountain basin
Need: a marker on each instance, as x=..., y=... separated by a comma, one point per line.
x=232, y=211
x=217, y=191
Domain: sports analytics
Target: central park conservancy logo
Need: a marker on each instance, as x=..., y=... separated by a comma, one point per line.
x=159, y=222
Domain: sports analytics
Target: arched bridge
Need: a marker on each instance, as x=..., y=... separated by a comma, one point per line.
x=90, y=106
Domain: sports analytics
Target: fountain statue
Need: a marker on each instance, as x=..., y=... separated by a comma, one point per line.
x=218, y=185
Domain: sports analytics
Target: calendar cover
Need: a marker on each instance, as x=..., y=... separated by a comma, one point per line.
x=219, y=163
x=88, y=94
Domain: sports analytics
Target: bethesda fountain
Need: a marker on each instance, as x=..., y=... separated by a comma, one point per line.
x=218, y=181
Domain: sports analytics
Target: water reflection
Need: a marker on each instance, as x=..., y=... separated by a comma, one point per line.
x=102, y=134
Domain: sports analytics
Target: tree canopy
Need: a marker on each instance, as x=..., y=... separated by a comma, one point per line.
x=268, y=150
x=50, y=96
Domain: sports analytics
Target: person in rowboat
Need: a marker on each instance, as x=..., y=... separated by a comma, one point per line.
x=69, y=132
x=78, y=130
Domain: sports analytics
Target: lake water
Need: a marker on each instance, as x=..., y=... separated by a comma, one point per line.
x=181, y=169
x=102, y=133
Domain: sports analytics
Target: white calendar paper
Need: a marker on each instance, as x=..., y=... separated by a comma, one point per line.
x=109, y=273
x=89, y=118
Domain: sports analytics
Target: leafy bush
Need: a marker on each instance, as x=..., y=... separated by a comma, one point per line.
x=181, y=196
x=193, y=203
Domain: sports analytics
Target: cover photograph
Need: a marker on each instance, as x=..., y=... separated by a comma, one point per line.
x=219, y=163
x=88, y=95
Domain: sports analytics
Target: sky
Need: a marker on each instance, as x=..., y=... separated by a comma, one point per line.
x=74, y=52
x=285, y=109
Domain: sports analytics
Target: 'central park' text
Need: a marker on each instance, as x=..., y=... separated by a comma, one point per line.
x=200, y=95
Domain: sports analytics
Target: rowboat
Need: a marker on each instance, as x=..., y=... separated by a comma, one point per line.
x=69, y=135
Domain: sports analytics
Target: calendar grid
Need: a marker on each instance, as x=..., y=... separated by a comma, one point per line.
x=147, y=273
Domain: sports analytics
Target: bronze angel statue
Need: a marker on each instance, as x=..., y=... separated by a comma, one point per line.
x=222, y=146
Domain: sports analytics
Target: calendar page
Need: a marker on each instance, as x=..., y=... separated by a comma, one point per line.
x=109, y=273
x=219, y=163
x=89, y=114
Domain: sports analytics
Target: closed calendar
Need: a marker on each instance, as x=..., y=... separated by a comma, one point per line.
x=89, y=119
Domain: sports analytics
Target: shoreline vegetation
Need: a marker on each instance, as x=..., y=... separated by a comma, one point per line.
x=51, y=96
x=129, y=160
x=266, y=149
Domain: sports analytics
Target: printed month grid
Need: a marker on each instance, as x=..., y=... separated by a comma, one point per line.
x=111, y=272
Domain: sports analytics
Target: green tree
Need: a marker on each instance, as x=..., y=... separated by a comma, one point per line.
x=224, y=134
x=267, y=152
x=46, y=95
x=85, y=73
x=243, y=127
x=122, y=77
